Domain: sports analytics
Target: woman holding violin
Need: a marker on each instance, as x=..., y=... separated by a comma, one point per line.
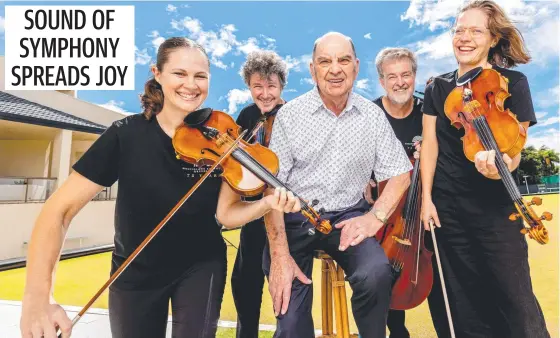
x=483, y=252
x=186, y=262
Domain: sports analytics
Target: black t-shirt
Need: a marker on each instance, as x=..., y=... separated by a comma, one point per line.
x=247, y=120
x=455, y=174
x=406, y=128
x=139, y=154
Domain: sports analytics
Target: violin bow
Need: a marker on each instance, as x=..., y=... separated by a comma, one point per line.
x=447, y=309
x=152, y=234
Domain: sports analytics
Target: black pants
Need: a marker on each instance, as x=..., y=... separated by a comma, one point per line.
x=486, y=271
x=396, y=325
x=247, y=279
x=366, y=267
x=196, y=299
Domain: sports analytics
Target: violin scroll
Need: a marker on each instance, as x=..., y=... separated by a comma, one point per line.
x=533, y=226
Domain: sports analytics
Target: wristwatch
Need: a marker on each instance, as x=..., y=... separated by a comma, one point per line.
x=380, y=215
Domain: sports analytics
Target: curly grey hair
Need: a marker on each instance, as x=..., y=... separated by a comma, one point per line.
x=264, y=63
x=394, y=54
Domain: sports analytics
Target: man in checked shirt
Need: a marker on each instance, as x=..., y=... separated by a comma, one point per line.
x=328, y=142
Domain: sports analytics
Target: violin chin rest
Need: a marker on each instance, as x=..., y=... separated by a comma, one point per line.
x=198, y=117
x=469, y=76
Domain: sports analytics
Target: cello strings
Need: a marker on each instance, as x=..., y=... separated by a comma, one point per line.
x=408, y=219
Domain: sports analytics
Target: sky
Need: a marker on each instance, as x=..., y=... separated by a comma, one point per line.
x=230, y=29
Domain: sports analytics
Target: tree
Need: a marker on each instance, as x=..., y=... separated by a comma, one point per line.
x=537, y=163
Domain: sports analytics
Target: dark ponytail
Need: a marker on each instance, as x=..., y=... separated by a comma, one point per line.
x=152, y=99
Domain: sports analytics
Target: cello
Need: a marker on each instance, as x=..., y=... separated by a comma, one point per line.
x=402, y=239
x=211, y=137
x=477, y=105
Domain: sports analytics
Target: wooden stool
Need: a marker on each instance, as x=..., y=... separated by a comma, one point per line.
x=333, y=286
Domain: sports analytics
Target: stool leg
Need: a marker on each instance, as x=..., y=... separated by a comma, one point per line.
x=336, y=296
x=343, y=303
x=326, y=299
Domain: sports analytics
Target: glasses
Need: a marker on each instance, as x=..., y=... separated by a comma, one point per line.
x=475, y=32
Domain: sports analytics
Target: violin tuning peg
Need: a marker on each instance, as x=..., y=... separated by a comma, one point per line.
x=547, y=216
x=178, y=157
x=314, y=202
x=536, y=201
x=524, y=231
x=514, y=216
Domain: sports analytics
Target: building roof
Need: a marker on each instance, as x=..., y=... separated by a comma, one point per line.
x=16, y=109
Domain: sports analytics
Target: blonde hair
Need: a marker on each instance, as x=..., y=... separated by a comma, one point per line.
x=510, y=50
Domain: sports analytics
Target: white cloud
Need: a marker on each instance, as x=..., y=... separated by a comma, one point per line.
x=548, y=97
x=307, y=80
x=170, y=8
x=157, y=39
x=141, y=56
x=549, y=138
x=436, y=14
x=435, y=47
x=368, y=36
x=236, y=97
x=116, y=106
x=549, y=121
x=542, y=41
x=540, y=114
x=249, y=46
x=298, y=64
x=221, y=42
x=2, y=23
x=538, y=22
x=362, y=84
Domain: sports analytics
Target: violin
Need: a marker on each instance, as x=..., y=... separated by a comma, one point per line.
x=207, y=134
x=211, y=137
x=477, y=105
x=402, y=239
x=264, y=125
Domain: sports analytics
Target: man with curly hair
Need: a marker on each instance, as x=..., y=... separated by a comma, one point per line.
x=265, y=74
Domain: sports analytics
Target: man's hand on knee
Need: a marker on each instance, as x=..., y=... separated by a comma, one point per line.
x=355, y=230
x=283, y=270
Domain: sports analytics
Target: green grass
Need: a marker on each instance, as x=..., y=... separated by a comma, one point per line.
x=230, y=333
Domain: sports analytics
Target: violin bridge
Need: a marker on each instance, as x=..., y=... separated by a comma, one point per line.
x=402, y=241
x=222, y=139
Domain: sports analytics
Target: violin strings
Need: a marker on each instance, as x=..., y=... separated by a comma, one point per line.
x=253, y=164
x=514, y=193
x=486, y=137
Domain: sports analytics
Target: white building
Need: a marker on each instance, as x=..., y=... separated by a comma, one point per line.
x=42, y=134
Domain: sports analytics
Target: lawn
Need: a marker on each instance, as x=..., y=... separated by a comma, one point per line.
x=78, y=279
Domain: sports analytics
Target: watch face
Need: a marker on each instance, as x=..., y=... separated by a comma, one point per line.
x=380, y=215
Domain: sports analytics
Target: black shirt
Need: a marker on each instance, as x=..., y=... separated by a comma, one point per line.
x=247, y=120
x=406, y=128
x=139, y=154
x=454, y=173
